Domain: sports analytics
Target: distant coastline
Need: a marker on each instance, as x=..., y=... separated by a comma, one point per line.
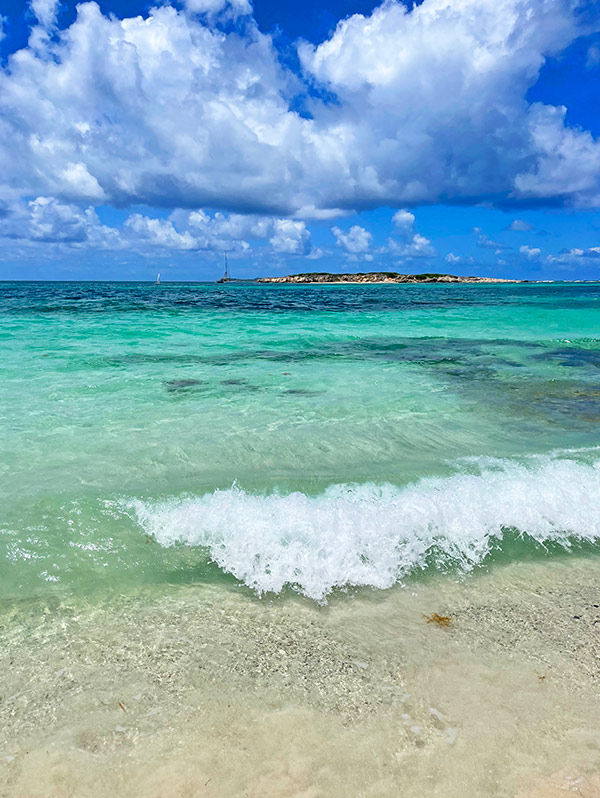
x=381, y=277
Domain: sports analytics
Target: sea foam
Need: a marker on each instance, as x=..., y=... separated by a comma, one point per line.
x=373, y=535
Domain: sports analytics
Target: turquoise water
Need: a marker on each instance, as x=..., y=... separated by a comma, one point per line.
x=288, y=437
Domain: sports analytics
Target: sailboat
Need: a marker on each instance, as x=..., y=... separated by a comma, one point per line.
x=225, y=278
x=157, y=279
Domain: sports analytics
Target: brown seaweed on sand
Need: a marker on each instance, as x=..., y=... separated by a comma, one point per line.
x=441, y=620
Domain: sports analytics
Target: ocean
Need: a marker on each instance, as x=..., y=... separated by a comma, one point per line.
x=272, y=493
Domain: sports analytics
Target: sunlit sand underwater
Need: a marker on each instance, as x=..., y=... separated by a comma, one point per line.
x=300, y=541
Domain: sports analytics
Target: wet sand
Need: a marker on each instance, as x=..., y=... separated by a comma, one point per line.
x=204, y=690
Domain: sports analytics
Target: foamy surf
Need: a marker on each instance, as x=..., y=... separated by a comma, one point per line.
x=374, y=535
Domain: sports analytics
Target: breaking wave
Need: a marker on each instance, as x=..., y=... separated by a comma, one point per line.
x=374, y=535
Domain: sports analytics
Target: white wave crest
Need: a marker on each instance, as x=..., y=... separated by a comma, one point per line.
x=373, y=535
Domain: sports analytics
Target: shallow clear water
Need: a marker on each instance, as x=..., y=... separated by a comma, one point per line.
x=288, y=436
x=230, y=516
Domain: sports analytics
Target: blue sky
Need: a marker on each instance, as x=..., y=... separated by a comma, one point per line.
x=456, y=135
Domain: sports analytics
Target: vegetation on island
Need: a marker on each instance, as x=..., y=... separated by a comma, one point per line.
x=380, y=277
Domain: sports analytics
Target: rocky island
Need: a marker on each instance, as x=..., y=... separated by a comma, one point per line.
x=380, y=277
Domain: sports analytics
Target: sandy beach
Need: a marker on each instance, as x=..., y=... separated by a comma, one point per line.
x=366, y=696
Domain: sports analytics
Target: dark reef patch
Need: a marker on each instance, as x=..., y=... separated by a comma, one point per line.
x=141, y=358
x=564, y=403
x=572, y=356
x=302, y=392
x=184, y=385
x=428, y=351
x=240, y=385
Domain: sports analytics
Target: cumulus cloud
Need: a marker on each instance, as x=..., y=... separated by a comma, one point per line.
x=532, y=253
x=159, y=232
x=568, y=161
x=355, y=242
x=464, y=66
x=404, y=220
x=412, y=244
x=416, y=247
x=45, y=11
x=221, y=231
x=520, y=226
x=290, y=237
x=51, y=221
x=159, y=111
x=214, y=8
x=575, y=255
x=177, y=111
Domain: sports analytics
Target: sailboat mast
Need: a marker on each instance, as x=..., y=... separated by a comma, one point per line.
x=225, y=277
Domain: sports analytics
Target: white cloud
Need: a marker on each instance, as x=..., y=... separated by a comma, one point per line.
x=45, y=11
x=520, y=226
x=158, y=111
x=290, y=237
x=285, y=236
x=413, y=244
x=461, y=65
x=356, y=241
x=172, y=111
x=46, y=220
x=50, y=221
x=575, y=255
x=404, y=219
x=568, y=160
x=77, y=181
x=452, y=258
x=530, y=252
x=213, y=8
x=158, y=232
x=416, y=247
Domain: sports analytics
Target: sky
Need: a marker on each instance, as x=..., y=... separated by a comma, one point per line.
x=455, y=136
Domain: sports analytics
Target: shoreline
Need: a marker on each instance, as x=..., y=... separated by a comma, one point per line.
x=381, y=278
x=195, y=688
